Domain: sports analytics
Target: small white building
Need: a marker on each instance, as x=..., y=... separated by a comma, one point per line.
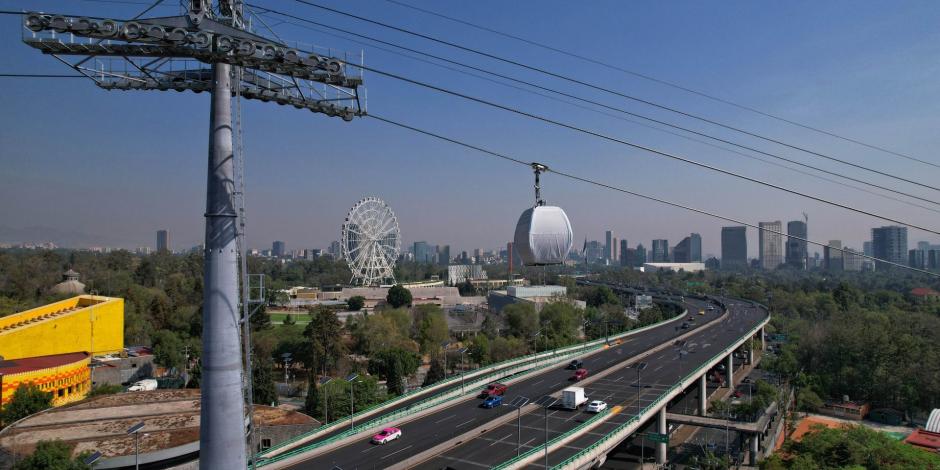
x=687, y=267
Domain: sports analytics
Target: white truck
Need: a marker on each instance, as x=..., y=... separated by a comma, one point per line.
x=143, y=386
x=572, y=398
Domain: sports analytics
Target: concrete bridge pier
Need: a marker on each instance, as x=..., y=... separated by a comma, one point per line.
x=702, y=395
x=763, y=341
x=755, y=448
x=662, y=429
x=730, y=367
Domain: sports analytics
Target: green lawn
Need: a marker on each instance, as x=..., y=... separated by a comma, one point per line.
x=301, y=318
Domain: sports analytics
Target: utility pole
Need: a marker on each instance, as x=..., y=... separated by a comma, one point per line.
x=198, y=52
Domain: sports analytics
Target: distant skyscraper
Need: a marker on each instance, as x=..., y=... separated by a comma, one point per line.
x=734, y=247
x=640, y=257
x=443, y=255
x=278, y=249
x=796, y=252
x=335, y=249
x=851, y=260
x=890, y=244
x=660, y=251
x=688, y=250
x=917, y=259
x=770, y=244
x=423, y=253
x=614, y=251
x=624, y=259
x=832, y=257
x=163, y=241
x=933, y=259
x=923, y=246
x=867, y=249
x=608, y=245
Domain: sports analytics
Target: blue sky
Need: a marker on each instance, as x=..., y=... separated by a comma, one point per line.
x=124, y=164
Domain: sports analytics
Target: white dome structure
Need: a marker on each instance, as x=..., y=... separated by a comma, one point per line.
x=543, y=236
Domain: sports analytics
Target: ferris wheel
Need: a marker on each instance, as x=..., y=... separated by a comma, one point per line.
x=371, y=242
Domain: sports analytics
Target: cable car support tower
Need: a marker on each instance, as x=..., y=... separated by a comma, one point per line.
x=209, y=48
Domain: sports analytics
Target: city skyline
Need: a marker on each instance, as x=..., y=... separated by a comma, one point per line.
x=99, y=191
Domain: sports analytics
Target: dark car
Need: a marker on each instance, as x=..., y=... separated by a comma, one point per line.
x=494, y=388
x=575, y=364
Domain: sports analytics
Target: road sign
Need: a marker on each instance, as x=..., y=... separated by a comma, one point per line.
x=657, y=437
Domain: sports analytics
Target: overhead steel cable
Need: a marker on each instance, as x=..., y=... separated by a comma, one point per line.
x=593, y=102
x=638, y=146
x=616, y=93
x=663, y=82
x=634, y=193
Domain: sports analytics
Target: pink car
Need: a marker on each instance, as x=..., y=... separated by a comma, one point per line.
x=386, y=435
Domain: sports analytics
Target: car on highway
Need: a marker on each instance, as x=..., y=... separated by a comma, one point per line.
x=492, y=401
x=579, y=374
x=575, y=364
x=685, y=326
x=738, y=394
x=596, y=406
x=494, y=388
x=386, y=435
x=711, y=307
x=701, y=312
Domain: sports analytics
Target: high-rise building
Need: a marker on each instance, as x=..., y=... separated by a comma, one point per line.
x=640, y=256
x=734, y=247
x=614, y=251
x=660, y=251
x=867, y=249
x=335, y=249
x=278, y=249
x=933, y=259
x=423, y=252
x=608, y=245
x=624, y=248
x=917, y=259
x=688, y=250
x=852, y=260
x=923, y=246
x=796, y=252
x=770, y=244
x=832, y=256
x=890, y=244
x=443, y=255
x=163, y=241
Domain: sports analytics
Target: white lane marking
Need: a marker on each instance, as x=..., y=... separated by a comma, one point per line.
x=465, y=422
x=370, y=448
x=444, y=419
x=397, y=451
x=526, y=443
x=619, y=379
x=536, y=383
x=657, y=368
x=501, y=439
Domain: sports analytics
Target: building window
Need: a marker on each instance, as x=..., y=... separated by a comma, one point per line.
x=61, y=392
x=265, y=444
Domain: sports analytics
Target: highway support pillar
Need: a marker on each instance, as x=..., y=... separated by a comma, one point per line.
x=755, y=448
x=763, y=340
x=702, y=395
x=750, y=355
x=662, y=429
x=730, y=367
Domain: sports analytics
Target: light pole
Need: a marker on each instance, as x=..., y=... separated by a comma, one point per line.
x=135, y=430
x=463, y=370
x=444, y=353
x=640, y=366
x=287, y=361
x=326, y=399
x=351, y=378
x=518, y=403
x=546, y=402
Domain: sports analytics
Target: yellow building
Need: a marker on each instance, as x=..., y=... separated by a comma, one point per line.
x=52, y=346
x=66, y=376
x=85, y=323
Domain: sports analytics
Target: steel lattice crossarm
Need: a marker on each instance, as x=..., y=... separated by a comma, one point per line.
x=169, y=53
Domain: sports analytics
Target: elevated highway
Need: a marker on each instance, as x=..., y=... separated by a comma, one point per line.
x=461, y=417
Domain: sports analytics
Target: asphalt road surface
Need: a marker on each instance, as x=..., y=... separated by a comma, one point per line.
x=428, y=431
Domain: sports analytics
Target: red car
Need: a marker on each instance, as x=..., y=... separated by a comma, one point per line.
x=738, y=394
x=494, y=388
x=579, y=374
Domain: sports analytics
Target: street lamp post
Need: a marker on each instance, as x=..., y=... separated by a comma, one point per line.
x=546, y=402
x=518, y=403
x=135, y=430
x=463, y=369
x=351, y=378
x=640, y=366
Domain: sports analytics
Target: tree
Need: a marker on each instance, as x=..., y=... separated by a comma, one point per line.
x=431, y=327
x=261, y=319
x=168, y=349
x=522, y=320
x=27, y=399
x=289, y=320
x=52, y=455
x=356, y=302
x=325, y=346
x=312, y=402
x=467, y=288
x=381, y=363
x=398, y=296
x=396, y=380
x=435, y=373
x=601, y=295
x=479, y=350
x=262, y=380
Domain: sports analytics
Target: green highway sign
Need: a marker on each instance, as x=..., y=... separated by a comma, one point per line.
x=657, y=437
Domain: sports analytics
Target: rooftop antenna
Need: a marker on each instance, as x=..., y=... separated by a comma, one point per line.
x=538, y=168
x=197, y=51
